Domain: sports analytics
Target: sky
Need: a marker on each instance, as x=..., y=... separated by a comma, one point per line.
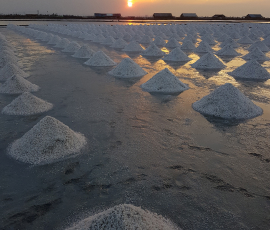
x=237, y=8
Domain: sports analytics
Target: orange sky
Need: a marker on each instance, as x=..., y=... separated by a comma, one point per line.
x=139, y=8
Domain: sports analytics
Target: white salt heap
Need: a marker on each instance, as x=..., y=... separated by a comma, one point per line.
x=133, y=47
x=62, y=43
x=172, y=43
x=27, y=104
x=177, y=55
x=256, y=54
x=84, y=52
x=164, y=82
x=72, y=47
x=203, y=47
x=17, y=85
x=153, y=51
x=9, y=70
x=159, y=41
x=245, y=40
x=208, y=62
x=227, y=50
x=251, y=70
x=125, y=217
x=108, y=41
x=54, y=40
x=119, y=44
x=127, y=68
x=100, y=59
x=145, y=40
x=260, y=45
x=187, y=45
x=49, y=140
x=227, y=102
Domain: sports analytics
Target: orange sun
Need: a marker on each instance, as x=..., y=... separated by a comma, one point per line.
x=130, y=3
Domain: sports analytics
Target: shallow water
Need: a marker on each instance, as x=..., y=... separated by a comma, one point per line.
x=152, y=151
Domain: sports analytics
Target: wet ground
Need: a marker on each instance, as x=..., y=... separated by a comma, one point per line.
x=152, y=151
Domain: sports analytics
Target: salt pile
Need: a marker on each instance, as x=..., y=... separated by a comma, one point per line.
x=27, y=104
x=230, y=42
x=9, y=70
x=100, y=59
x=227, y=50
x=176, y=55
x=54, y=40
x=145, y=40
x=119, y=44
x=203, y=47
x=187, y=45
x=84, y=52
x=245, y=40
x=209, y=62
x=227, y=102
x=62, y=43
x=127, y=68
x=172, y=43
x=164, y=82
x=256, y=54
x=49, y=140
x=153, y=51
x=125, y=217
x=71, y=47
x=133, y=47
x=159, y=41
x=260, y=45
x=108, y=41
x=17, y=85
x=251, y=70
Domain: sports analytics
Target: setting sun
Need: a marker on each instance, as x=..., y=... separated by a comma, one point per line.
x=129, y=3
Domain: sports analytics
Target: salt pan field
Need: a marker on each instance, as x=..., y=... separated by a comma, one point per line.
x=135, y=126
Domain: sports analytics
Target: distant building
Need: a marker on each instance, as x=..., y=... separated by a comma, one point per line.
x=219, y=16
x=188, y=16
x=162, y=15
x=105, y=15
x=254, y=16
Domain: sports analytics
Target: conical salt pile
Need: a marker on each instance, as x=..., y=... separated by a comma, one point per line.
x=54, y=40
x=84, y=52
x=72, y=47
x=159, y=41
x=7, y=59
x=260, y=45
x=208, y=62
x=145, y=40
x=9, y=70
x=125, y=217
x=164, y=82
x=227, y=50
x=127, y=68
x=100, y=59
x=176, y=55
x=172, y=43
x=17, y=85
x=230, y=42
x=49, y=140
x=256, y=54
x=119, y=44
x=245, y=40
x=227, y=102
x=251, y=70
x=203, y=47
x=27, y=104
x=62, y=43
x=187, y=45
x=133, y=47
x=108, y=41
x=153, y=51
